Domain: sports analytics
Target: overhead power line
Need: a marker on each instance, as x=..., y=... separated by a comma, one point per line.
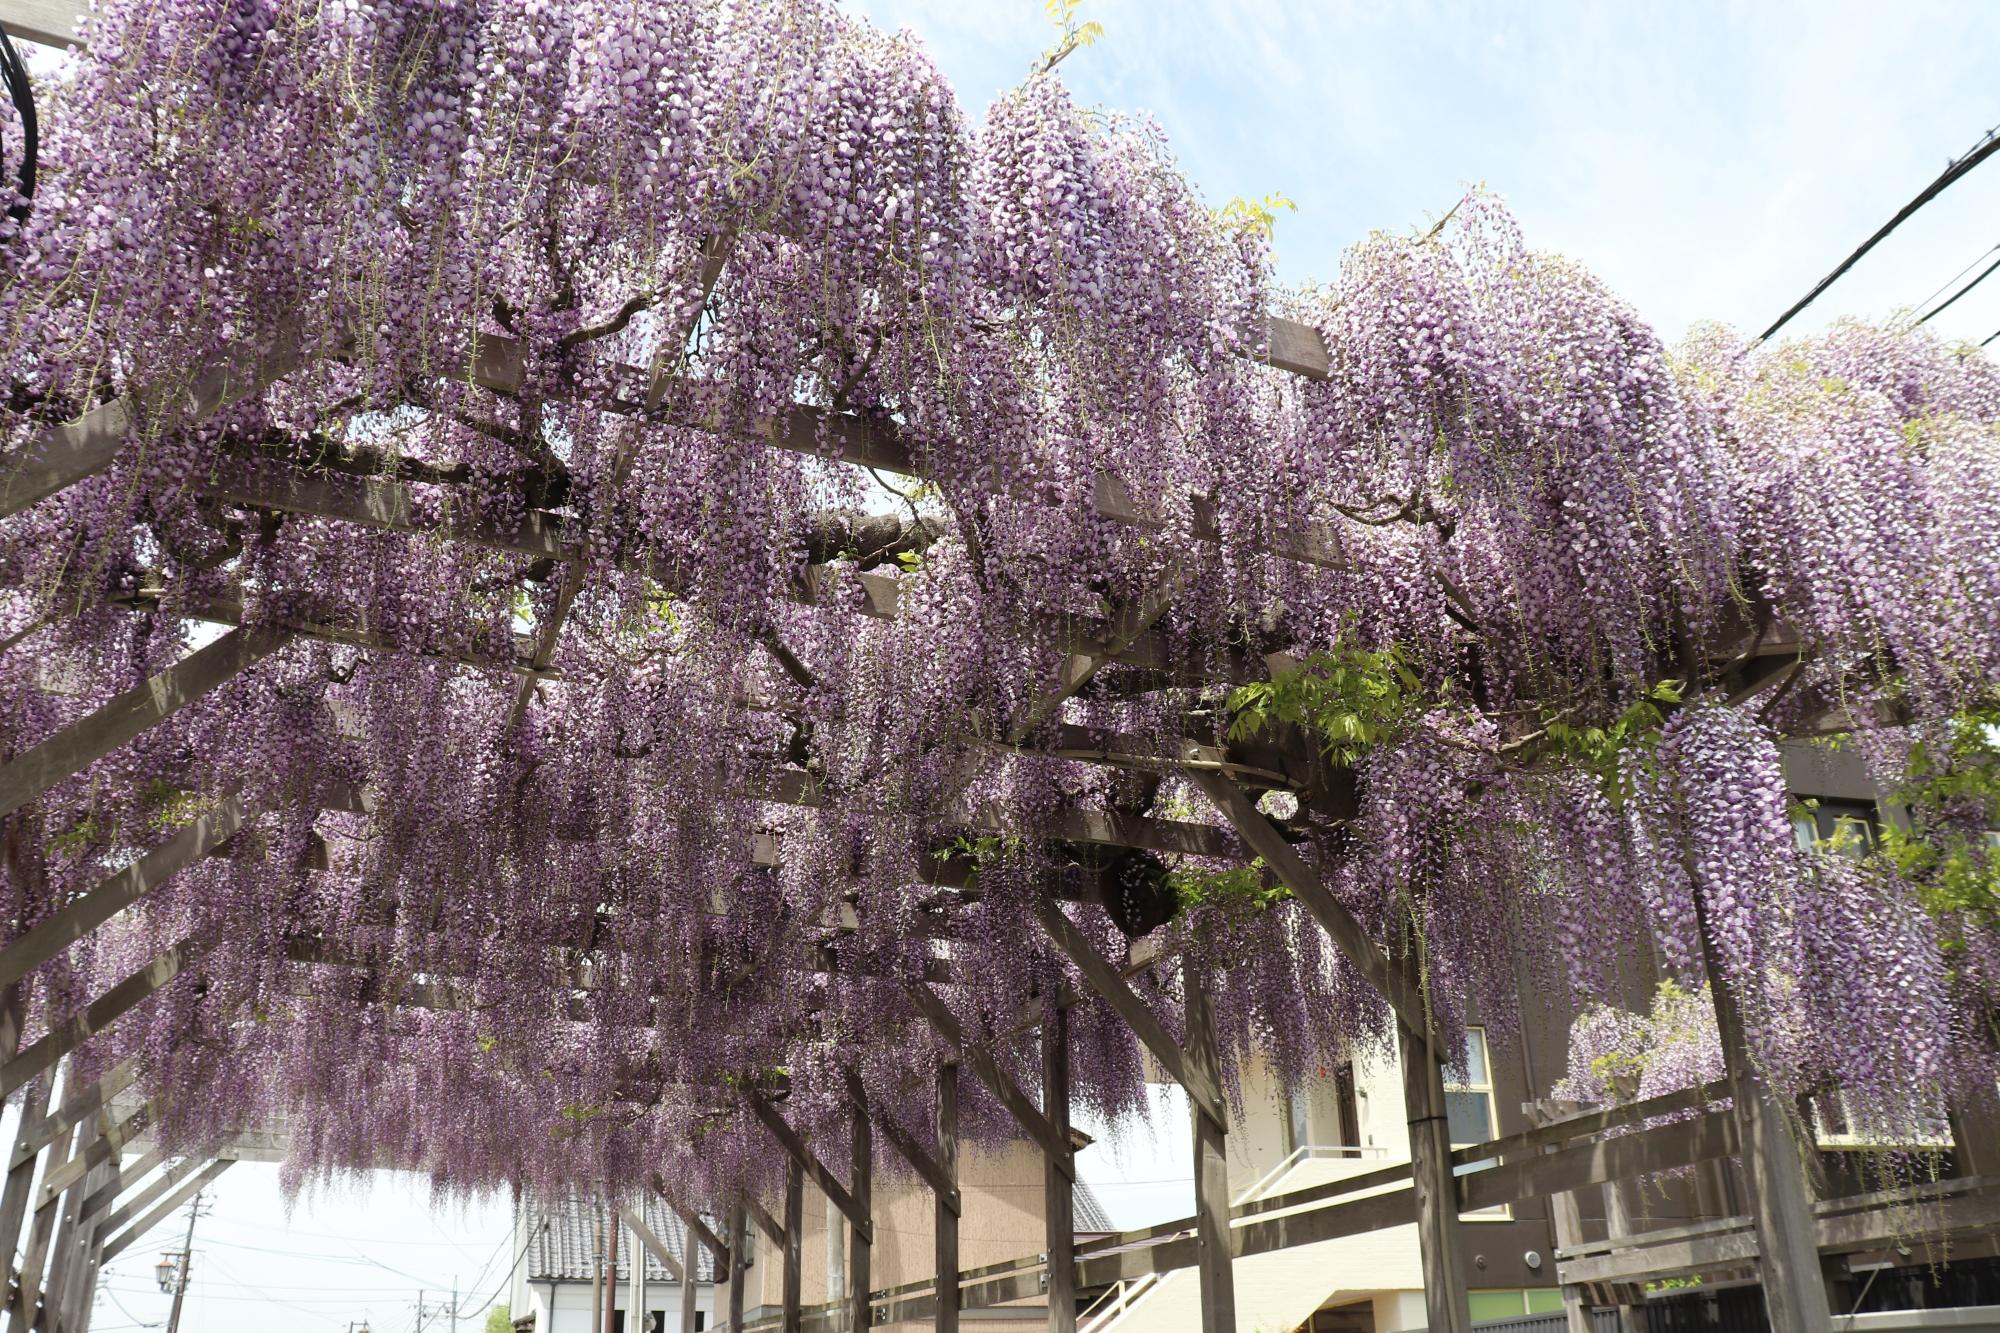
x=1987, y=146
x=1946, y=285
x=1939, y=310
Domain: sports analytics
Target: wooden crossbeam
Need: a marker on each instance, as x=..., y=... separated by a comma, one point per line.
x=113, y=894
x=78, y=1104
x=62, y=455
x=1029, y=1116
x=1348, y=934
x=66, y=1036
x=692, y=1221
x=829, y=1184
x=82, y=743
x=933, y=1172
x=1138, y=1015
x=766, y=1223
x=654, y=1245
x=107, y=1144
x=137, y=1231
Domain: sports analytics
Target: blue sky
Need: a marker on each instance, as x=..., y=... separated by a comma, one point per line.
x=1709, y=161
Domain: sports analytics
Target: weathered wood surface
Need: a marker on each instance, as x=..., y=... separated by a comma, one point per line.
x=861, y=1183
x=113, y=894
x=137, y=1231
x=52, y=22
x=1105, y=979
x=794, y=1146
x=1348, y=935
x=1214, y=1259
x=63, y=455
x=89, y=739
x=71, y=1032
x=794, y=1246
x=1058, y=1175
x=652, y=1244
x=108, y=1143
x=1038, y=1127
x=946, y=1298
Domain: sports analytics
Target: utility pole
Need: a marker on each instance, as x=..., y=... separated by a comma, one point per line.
x=454, y=1305
x=187, y=1263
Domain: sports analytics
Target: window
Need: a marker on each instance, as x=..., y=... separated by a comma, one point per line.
x=1469, y=1109
x=1850, y=825
x=1297, y=1124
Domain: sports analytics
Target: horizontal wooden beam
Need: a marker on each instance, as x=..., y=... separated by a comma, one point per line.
x=83, y=742
x=62, y=455
x=829, y=1185
x=113, y=894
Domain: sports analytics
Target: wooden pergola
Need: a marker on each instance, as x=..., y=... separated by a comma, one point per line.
x=70, y=1193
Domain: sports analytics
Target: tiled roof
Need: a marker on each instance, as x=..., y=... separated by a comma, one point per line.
x=1087, y=1214
x=564, y=1249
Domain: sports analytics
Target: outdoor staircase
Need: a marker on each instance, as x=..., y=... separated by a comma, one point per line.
x=1279, y=1290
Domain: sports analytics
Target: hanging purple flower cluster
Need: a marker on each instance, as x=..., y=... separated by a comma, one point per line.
x=687, y=456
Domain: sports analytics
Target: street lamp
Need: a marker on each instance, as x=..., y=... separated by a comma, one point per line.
x=168, y=1270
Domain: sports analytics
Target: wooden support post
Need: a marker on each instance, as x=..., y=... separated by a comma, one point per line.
x=1059, y=1173
x=20, y=1178
x=82, y=743
x=74, y=1292
x=947, y=1202
x=795, y=1242
x=1199, y=1081
x=1447, y=1301
x=807, y=1161
x=739, y=1259
x=690, y=1288
x=1618, y=1221
x=1565, y=1216
x=1211, y=1167
x=1038, y=1126
x=1774, y=1174
x=1445, y=1295
x=860, y=1238
x=27, y=1293
x=1975, y=1132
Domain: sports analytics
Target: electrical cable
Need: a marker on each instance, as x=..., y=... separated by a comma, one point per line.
x=1990, y=337
x=1946, y=284
x=1960, y=292
x=1987, y=146
x=508, y=1276
x=15, y=73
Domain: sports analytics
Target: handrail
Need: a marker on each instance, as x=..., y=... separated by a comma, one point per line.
x=1306, y=1152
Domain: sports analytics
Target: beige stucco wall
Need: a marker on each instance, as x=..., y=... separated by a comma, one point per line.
x=1000, y=1219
